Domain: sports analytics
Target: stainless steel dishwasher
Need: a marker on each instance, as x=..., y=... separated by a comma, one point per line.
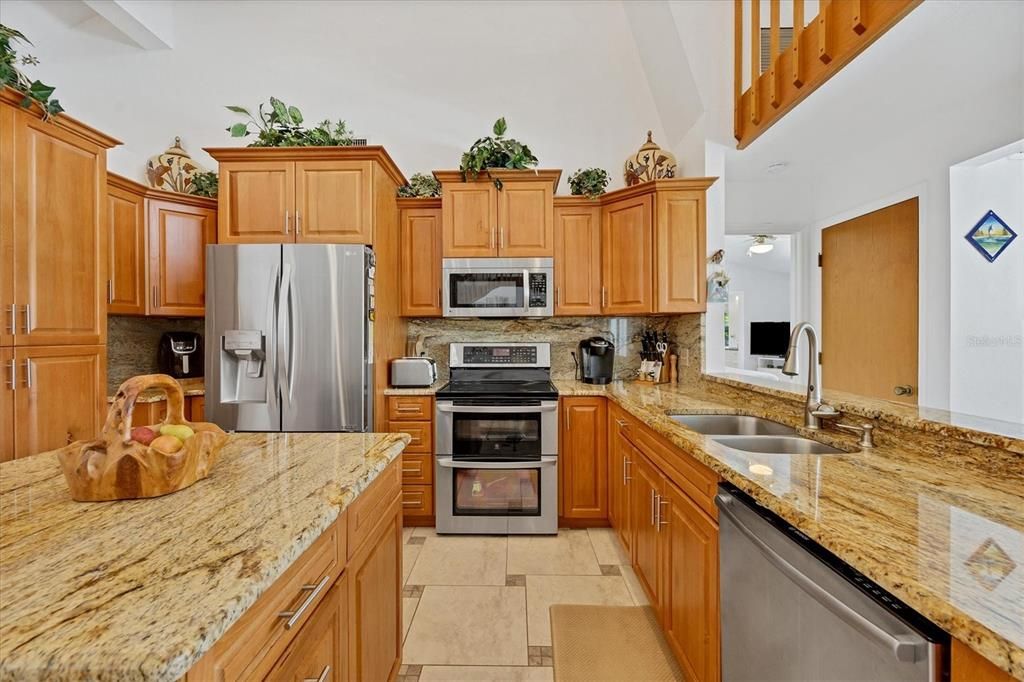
x=793, y=611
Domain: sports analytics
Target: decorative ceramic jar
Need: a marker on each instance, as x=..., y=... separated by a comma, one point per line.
x=172, y=170
x=650, y=162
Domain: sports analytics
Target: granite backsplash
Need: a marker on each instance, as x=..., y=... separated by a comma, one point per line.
x=564, y=333
x=132, y=344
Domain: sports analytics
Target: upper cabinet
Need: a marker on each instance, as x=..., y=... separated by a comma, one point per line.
x=577, y=256
x=300, y=194
x=680, y=244
x=420, y=271
x=157, y=249
x=626, y=256
x=480, y=221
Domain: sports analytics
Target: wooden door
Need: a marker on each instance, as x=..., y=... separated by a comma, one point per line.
x=526, y=220
x=60, y=236
x=680, y=235
x=375, y=601
x=578, y=260
x=256, y=204
x=8, y=382
x=8, y=115
x=319, y=650
x=126, y=252
x=420, y=273
x=334, y=202
x=626, y=258
x=869, y=303
x=469, y=219
x=47, y=413
x=689, y=567
x=178, y=235
x=584, y=458
x=646, y=488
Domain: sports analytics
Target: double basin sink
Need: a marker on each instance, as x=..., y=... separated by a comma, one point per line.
x=753, y=434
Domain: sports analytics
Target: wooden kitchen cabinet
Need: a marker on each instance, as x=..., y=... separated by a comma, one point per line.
x=320, y=649
x=7, y=384
x=197, y=408
x=320, y=195
x=966, y=665
x=526, y=219
x=620, y=497
x=626, y=257
x=577, y=256
x=420, y=244
x=126, y=246
x=469, y=219
x=415, y=415
x=583, y=459
x=680, y=263
x=178, y=235
x=646, y=555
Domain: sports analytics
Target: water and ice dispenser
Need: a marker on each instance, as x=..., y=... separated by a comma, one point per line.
x=243, y=376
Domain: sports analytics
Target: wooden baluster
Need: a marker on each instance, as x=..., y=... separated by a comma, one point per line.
x=737, y=75
x=773, y=52
x=798, y=29
x=755, y=60
x=858, y=17
x=824, y=28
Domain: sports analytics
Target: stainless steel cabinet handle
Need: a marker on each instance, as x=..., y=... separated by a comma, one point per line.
x=12, y=378
x=905, y=389
x=501, y=237
x=110, y=292
x=490, y=240
x=27, y=312
x=603, y=297
x=314, y=591
x=661, y=521
x=568, y=419
x=654, y=506
x=626, y=478
x=287, y=222
x=322, y=677
x=28, y=374
x=438, y=298
x=12, y=314
x=298, y=222
x=558, y=295
x=156, y=297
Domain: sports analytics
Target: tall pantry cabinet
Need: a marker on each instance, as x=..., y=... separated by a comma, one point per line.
x=53, y=281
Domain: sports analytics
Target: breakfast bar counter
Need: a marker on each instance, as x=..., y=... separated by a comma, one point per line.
x=141, y=589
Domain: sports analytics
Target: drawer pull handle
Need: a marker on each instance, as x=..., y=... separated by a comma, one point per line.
x=314, y=591
x=409, y=408
x=320, y=678
x=410, y=504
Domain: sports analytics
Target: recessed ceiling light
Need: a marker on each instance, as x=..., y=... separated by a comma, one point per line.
x=777, y=167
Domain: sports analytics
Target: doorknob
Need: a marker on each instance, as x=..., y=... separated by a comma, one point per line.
x=904, y=389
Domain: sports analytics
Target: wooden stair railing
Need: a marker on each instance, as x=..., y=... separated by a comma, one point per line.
x=841, y=30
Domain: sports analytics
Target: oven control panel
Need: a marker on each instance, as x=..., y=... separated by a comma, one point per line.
x=499, y=355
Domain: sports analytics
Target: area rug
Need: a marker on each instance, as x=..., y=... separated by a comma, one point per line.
x=612, y=643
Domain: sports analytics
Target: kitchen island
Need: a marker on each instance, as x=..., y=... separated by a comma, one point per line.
x=142, y=589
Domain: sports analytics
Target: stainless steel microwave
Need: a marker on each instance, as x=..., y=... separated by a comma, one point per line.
x=498, y=287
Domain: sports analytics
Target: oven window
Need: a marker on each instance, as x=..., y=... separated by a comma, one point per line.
x=496, y=492
x=487, y=290
x=496, y=436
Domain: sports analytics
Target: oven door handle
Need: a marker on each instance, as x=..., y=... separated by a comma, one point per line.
x=498, y=409
x=449, y=463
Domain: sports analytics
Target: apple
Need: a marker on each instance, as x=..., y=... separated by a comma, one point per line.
x=179, y=431
x=166, y=444
x=143, y=434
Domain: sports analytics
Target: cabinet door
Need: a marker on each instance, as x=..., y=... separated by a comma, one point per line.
x=626, y=259
x=469, y=219
x=621, y=486
x=526, y=220
x=178, y=235
x=680, y=279
x=126, y=252
x=318, y=651
x=49, y=415
x=197, y=408
x=421, y=262
x=256, y=204
x=334, y=202
x=646, y=488
x=578, y=261
x=60, y=236
x=375, y=601
x=7, y=384
x=584, y=458
x=690, y=592
x=8, y=116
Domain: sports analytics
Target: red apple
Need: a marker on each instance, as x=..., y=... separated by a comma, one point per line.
x=143, y=434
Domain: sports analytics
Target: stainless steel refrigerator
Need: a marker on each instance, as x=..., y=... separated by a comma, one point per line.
x=289, y=337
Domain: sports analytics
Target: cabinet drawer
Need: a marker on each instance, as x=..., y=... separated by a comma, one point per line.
x=695, y=479
x=364, y=513
x=417, y=469
x=409, y=408
x=417, y=500
x=421, y=432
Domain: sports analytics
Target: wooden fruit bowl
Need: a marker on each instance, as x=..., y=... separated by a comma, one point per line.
x=119, y=468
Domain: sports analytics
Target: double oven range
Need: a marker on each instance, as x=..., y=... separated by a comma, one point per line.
x=496, y=441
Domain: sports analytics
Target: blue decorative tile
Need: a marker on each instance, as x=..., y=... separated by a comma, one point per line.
x=990, y=236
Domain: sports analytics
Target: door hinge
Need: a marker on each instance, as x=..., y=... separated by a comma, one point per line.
x=819, y=260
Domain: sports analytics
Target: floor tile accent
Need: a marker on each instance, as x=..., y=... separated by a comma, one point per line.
x=409, y=555
x=568, y=553
x=544, y=590
x=423, y=532
x=469, y=625
x=635, y=588
x=480, y=673
x=412, y=591
x=610, y=570
x=515, y=581
x=461, y=560
x=607, y=546
x=541, y=656
x=406, y=534
x=417, y=540
x=409, y=673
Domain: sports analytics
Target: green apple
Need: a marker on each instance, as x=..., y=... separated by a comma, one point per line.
x=179, y=431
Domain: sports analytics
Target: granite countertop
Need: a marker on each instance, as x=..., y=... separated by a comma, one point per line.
x=140, y=589
x=190, y=387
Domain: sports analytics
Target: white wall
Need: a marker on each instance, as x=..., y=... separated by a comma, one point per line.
x=423, y=79
x=987, y=341
x=765, y=299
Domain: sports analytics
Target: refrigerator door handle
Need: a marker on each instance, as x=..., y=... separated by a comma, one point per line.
x=292, y=330
x=273, y=387
x=284, y=339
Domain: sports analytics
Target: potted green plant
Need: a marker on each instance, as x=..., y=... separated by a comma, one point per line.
x=11, y=76
x=281, y=126
x=421, y=185
x=496, y=152
x=589, y=182
x=204, y=184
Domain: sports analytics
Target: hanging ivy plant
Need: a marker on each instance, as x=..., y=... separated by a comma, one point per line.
x=421, y=185
x=496, y=152
x=11, y=76
x=280, y=125
x=590, y=182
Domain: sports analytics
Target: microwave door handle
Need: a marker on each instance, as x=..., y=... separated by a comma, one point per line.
x=526, y=292
x=449, y=463
x=497, y=409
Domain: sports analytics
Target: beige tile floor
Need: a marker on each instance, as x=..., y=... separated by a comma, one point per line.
x=476, y=607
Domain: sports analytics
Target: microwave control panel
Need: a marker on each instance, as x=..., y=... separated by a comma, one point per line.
x=538, y=290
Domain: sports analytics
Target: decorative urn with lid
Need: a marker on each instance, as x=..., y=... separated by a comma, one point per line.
x=172, y=170
x=650, y=162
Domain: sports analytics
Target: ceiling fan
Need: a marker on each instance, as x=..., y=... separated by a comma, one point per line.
x=760, y=244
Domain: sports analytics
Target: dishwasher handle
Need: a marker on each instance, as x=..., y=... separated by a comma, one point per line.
x=906, y=648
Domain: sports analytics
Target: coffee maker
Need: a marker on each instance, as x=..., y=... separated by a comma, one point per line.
x=181, y=354
x=597, y=360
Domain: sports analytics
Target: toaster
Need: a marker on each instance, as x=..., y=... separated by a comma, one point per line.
x=413, y=372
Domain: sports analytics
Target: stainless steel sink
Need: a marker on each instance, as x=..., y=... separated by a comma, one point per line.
x=731, y=425
x=777, y=445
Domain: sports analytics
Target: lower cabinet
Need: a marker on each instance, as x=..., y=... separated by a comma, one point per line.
x=319, y=651
x=646, y=560
x=619, y=486
x=583, y=459
x=414, y=415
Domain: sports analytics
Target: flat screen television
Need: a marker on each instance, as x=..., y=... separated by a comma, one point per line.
x=769, y=338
